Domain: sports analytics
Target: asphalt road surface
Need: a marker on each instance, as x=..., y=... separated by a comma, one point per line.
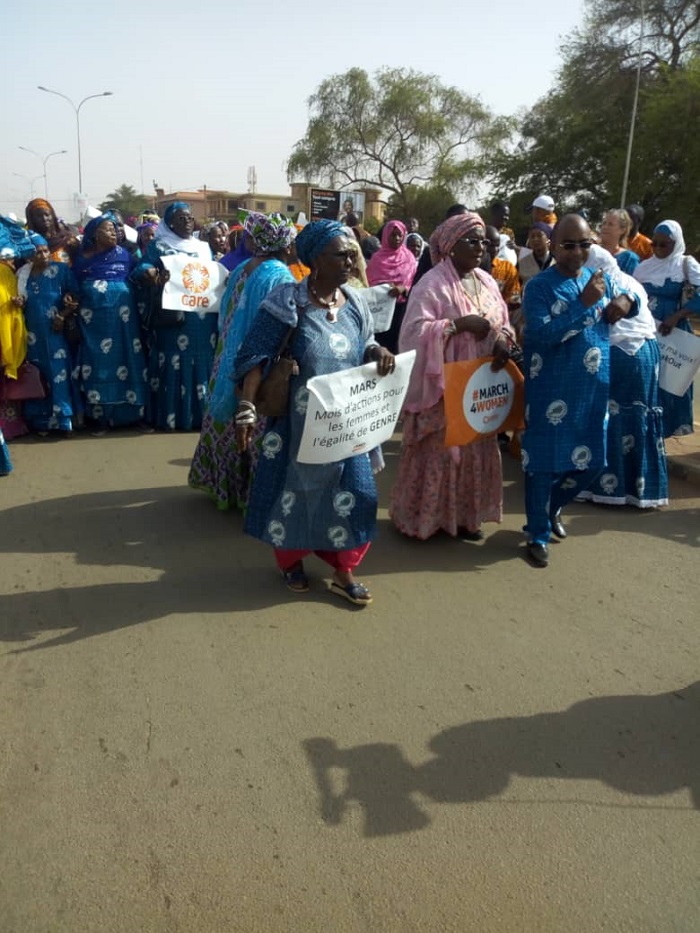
x=184, y=746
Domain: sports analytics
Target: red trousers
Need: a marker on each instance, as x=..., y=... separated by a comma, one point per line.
x=345, y=561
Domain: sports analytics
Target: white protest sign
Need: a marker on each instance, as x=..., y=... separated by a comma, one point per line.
x=382, y=306
x=680, y=360
x=194, y=284
x=353, y=411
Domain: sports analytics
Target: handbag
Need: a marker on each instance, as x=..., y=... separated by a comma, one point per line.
x=27, y=385
x=272, y=397
x=689, y=290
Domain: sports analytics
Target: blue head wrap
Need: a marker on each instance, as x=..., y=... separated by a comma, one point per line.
x=175, y=206
x=37, y=240
x=90, y=230
x=665, y=228
x=314, y=238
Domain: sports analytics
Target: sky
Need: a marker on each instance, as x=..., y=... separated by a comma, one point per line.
x=202, y=92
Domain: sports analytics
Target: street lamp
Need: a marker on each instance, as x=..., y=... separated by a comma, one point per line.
x=44, y=160
x=30, y=181
x=635, y=103
x=76, y=108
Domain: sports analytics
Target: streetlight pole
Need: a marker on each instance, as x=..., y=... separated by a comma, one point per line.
x=30, y=181
x=44, y=160
x=76, y=109
x=633, y=119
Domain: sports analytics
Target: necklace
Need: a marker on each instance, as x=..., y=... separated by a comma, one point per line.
x=329, y=303
x=475, y=291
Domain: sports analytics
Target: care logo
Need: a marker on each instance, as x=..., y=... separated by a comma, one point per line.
x=195, y=278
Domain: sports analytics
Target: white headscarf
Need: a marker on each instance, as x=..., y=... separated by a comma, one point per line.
x=675, y=267
x=629, y=333
x=190, y=245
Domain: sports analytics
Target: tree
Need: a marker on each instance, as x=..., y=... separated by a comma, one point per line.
x=573, y=142
x=397, y=131
x=126, y=200
x=428, y=204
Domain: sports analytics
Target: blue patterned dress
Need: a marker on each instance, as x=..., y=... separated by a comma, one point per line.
x=5, y=462
x=218, y=467
x=48, y=350
x=627, y=261
x=112, y=361
x=663, y=302
x=293, y=505
x=567, y=379
x=181, y=359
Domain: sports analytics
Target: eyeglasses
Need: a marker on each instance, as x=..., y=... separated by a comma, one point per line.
x=474, y=241
x=576, y=244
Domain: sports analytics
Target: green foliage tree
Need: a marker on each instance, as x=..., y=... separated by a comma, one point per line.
x=573, y=142
x=397, y=131
x=428, y=204
x=126, y=199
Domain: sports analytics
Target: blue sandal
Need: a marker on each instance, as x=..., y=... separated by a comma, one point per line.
x=355, y=593
x=296, y=580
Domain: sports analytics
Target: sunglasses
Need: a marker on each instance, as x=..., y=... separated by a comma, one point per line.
x=474, y=241
x=576, y=244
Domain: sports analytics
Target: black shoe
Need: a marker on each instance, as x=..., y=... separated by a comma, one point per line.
x=467, y=535
x=557, y=525
x=538, y=553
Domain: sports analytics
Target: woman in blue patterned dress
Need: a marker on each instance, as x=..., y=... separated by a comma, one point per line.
x=635, y=472
x=112, y=361
x=663, y=276
x=182, y=343
x=330, y=508
x=218, y=467
x=49, y=292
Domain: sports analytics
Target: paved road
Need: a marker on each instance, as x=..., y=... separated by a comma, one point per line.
x=490, y=747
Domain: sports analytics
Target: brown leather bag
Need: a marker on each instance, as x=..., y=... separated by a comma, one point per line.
x=272, y=398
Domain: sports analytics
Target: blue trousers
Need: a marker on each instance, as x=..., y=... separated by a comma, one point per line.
x=546, y=493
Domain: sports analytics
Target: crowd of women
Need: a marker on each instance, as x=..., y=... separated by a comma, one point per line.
x=87, y=314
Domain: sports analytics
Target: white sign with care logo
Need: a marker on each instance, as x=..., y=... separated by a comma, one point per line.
x=352, y=411
x=194, y=284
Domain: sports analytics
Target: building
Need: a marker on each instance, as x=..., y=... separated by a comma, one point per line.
x=210, y=204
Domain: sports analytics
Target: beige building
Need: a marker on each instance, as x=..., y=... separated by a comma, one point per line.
x=207, y=203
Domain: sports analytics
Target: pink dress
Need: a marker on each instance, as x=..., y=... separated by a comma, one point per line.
x=438, y=487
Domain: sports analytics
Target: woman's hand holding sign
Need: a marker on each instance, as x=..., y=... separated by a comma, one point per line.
x=383, y=358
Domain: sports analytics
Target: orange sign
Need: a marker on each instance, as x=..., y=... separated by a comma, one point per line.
x=480, y=402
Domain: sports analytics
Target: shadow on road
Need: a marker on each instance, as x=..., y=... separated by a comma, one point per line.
x=204, y=561
x=641, y=745
x=207, y=565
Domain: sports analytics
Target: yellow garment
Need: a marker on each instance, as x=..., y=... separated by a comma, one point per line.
x=641, y=245
x=299, y=270
x=506, y=276
x=543, y=216
x=13, y=332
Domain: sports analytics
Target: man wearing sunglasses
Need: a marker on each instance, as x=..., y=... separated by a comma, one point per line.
x=567, y=311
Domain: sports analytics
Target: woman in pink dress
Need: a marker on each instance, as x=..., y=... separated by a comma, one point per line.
x=455, y=312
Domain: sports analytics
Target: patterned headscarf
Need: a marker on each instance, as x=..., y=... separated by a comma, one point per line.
x=450, y=231
x=269, y=232
x=38, y=240
x=315, y=237
x=175, y=206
